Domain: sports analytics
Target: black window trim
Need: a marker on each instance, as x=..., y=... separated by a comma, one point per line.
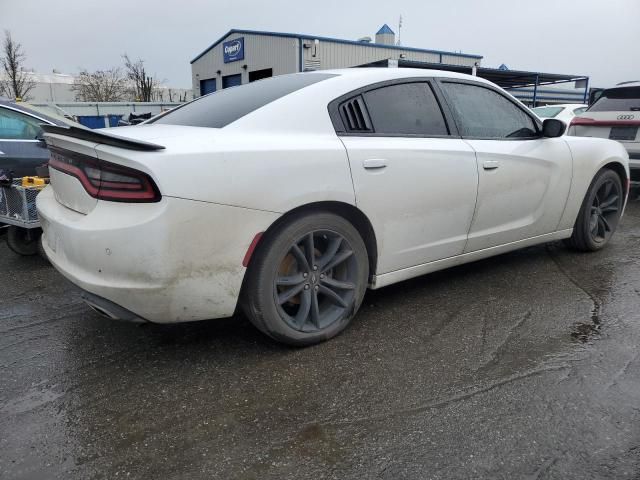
x=536, y=121
x=341, y=130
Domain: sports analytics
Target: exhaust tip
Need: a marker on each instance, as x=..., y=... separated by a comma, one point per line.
x=110, y=310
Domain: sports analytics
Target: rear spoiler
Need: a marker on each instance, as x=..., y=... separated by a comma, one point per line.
x=101, y=137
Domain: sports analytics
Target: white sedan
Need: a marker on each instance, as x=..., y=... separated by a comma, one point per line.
x=565, y=112
x=290, y=196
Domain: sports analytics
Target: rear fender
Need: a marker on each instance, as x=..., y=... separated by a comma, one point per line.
x=590, y=155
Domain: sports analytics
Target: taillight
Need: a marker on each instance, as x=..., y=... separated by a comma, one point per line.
x=104, y=180
x=603, y=123
x=581, y=121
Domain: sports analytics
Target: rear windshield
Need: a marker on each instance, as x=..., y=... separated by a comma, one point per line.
x=625, y=99
x=221, y=108
x=547, y=112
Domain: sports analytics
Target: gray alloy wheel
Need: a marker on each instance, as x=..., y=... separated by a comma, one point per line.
x=600, y=213
x=307, y=279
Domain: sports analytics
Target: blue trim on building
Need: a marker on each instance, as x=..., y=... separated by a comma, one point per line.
x=333, y=40
x=385, y=30
x=585, y=98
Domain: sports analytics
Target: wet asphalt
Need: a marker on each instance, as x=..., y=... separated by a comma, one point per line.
x=524, y=366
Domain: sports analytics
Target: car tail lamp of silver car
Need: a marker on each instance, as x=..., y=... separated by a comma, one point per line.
x=105, y=180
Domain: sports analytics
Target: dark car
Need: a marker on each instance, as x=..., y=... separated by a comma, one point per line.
x=22, y=146
x=22, y=152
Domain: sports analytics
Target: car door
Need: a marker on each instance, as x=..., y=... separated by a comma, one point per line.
x=413, y=177
x=524, y=179
x=20, y=150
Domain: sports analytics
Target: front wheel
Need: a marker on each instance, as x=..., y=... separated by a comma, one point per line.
x=599, y=214
x=307, y=279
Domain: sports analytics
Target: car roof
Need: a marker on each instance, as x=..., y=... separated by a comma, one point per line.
x=385, y=73
x=564, y=105
x=632, y=83
x=20, y=107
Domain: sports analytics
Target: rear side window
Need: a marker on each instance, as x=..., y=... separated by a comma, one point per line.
x=484, y=113
x=626, y=99
x=219, y=109
x=547, y=112
x=18, y=126
x=405, y=109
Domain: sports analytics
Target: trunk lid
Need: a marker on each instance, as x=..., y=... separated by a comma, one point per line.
x=67, y=189
x=142, y=147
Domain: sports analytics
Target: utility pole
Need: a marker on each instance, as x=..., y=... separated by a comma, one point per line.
x=399, y=30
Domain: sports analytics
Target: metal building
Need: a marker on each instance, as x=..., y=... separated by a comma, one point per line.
x=242, y=56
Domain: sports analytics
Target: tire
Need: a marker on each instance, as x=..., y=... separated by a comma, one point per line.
x=23, y=241
x=599, y=214
x=285, y=298
x=41, y=250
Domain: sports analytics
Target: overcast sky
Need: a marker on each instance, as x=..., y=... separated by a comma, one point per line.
x=598, y=38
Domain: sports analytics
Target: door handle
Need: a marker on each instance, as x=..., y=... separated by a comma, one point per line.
x=490, y=164
x=374, y=163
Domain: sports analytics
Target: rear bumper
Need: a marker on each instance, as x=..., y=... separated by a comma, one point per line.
x=108, y=309
x=173, y=261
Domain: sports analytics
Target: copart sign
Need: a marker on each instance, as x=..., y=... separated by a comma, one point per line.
x=233, y=50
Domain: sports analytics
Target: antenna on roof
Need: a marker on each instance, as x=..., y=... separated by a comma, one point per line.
x=399, y=30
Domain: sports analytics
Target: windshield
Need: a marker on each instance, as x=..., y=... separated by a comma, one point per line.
x=625, y=99
x=219, y=109
x=547, y=112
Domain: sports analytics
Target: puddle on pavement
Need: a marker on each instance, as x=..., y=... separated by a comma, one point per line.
x=584, y=332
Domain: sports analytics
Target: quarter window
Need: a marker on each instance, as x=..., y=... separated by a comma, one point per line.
x=17, y=126
x=405, y=109
x=482, y=112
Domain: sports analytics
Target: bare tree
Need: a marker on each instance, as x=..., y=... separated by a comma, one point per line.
x=100, y=86
x=143, y=85
x=16, y=82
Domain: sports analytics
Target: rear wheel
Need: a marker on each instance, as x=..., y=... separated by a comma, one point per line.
x=23, y=241
x=307, y=279
x=600, y=213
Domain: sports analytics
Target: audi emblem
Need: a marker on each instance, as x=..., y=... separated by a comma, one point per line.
x=625, y=117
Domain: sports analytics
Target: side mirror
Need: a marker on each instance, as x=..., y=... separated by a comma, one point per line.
x=40, y=138
x=552, y=128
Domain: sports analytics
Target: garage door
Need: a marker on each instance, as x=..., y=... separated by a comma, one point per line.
x=207, y=86
x=231, y=81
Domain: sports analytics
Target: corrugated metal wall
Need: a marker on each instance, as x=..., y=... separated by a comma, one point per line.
x=105, y=108
x=341, y=55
